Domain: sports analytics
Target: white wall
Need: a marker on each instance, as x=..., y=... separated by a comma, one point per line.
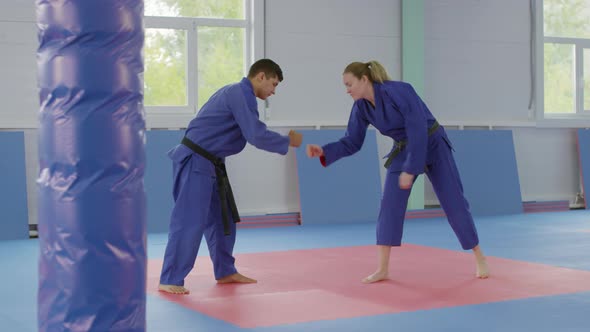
x=264, y=182
x=314, y=40
x=477, y=61
x=547, y=163
x=18, y=64
x=476, y=73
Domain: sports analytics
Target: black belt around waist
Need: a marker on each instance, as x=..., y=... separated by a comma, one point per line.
x=226, y=196
x=399, y=145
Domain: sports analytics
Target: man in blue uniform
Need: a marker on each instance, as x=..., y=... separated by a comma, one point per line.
x=421, y=146
x=203, y=200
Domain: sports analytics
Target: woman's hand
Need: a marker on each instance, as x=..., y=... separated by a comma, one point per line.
x=313, y=151
x=406, y=180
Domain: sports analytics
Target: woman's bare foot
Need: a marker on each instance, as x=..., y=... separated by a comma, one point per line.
x=377, y=276
x=482, y=270
x=236, y=278
x=173, y=289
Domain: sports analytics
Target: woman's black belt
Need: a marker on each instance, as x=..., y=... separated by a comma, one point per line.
x=226, y=196
x=400, y=145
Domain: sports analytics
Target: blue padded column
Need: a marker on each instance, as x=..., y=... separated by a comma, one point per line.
x=92, y=219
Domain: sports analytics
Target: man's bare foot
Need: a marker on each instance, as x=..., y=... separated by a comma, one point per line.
x=236, y=278
x=173, y=289
x=482, y=270
x=377, y=276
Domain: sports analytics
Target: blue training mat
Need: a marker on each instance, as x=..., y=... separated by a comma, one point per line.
x=158, y=178
x=348, y=191
x=487, y=164
x=14, y=216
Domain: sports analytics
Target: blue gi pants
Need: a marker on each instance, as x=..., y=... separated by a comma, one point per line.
x=444, y=176
x=196, y=212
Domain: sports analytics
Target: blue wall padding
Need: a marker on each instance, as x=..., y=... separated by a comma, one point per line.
x=347, y=191
x=92, y=214
x=584, y=158
x=14, y=216
x=487, y=163
x=158, y=178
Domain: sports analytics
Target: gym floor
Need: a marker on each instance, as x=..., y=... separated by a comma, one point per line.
x=309, y=280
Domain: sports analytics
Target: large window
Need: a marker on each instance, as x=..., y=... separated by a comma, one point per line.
x=566, y=58
x=192, y=48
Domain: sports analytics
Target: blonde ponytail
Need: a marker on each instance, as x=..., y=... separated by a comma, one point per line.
x=374, y=71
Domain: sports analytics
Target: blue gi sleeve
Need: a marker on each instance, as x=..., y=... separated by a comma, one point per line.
x=416, y=125
x=351, y=142
x=254, y=130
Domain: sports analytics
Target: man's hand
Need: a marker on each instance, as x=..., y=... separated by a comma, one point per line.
x=295, y=138
x=313, y=151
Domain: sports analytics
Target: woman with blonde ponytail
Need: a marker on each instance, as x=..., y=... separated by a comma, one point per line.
x=421, y=146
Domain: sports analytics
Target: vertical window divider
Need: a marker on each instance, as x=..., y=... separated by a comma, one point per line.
x=579, y=84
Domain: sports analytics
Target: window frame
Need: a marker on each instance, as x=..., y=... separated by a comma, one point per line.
x=579, y=119
x=253, y=24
